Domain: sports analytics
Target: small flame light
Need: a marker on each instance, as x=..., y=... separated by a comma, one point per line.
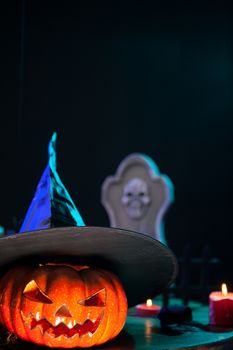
x=224, y=289
x=149, y=302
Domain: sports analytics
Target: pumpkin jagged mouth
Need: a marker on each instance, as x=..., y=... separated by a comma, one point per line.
x=68, y=331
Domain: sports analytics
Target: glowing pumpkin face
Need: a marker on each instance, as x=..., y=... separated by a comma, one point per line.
x=62, y=305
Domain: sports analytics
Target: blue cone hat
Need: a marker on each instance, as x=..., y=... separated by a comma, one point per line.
x=52, y=205
x=54, y=230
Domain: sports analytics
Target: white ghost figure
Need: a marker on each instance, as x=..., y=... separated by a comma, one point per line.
x=136, y=198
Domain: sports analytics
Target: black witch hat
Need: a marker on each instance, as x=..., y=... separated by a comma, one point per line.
x=144, y=265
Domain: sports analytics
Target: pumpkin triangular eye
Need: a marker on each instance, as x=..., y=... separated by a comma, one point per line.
x=97, y=299
x=33, y=292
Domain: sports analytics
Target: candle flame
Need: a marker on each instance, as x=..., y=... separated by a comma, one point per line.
x=224, y=289
x=149, y=302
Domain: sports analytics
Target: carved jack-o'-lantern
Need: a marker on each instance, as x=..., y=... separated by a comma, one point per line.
x=62, y=305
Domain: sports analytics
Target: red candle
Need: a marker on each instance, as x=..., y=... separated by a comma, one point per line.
x=148, y=309
x=221, y=308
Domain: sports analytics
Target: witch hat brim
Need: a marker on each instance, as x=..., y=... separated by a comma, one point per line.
x=144, y=265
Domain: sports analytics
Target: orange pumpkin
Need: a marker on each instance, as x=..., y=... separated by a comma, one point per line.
x=62, y=305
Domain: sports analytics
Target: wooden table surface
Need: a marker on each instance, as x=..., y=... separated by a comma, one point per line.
x=145, y=334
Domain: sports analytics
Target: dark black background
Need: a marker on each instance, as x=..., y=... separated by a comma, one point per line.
x=117, y=77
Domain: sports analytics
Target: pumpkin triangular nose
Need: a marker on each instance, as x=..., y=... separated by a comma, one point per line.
x=63, y=312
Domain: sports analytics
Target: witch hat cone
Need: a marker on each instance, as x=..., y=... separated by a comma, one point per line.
x=144, y=265
x=52, y=205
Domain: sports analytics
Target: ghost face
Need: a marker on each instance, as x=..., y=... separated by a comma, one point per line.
x=135, y=198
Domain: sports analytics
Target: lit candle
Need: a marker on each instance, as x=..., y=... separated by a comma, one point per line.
x=148, y=309
x=221, y=308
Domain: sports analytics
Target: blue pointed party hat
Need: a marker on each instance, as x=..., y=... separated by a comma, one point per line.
x=52, y=205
